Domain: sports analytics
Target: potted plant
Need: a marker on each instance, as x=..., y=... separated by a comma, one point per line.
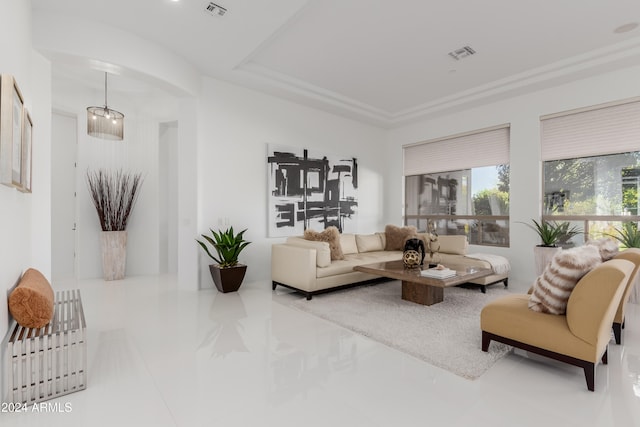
x=114, y=194
x=553, y=236
x=628, y=235
x=227, y=274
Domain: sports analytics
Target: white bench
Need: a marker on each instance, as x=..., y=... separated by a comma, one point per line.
x=48, y=362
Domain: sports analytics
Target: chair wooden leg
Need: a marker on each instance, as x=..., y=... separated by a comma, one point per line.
x=590, y=375
x=486, y=340
x=605, y=356
x=617, y=332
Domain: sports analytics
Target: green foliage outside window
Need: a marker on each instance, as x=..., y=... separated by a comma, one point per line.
x=482, y=202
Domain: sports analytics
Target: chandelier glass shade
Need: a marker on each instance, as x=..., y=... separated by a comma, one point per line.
x=104, y=122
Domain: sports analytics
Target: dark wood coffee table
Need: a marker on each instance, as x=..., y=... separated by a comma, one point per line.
x=420, y=289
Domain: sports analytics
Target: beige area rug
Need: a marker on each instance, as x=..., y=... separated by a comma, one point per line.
x=446, y=334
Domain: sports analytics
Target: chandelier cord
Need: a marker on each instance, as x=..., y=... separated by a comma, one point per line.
x=105, y=92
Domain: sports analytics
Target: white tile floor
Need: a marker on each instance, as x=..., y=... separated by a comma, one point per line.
x=163, y=357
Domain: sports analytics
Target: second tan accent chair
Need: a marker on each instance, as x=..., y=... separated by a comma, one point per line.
x=580, y=337
x=633, y=255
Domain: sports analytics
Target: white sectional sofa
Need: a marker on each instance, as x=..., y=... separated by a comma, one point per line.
x=306, y=266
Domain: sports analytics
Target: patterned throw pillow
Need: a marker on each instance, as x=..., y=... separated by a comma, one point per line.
x=552, y=289
x=397, y=236
x=608, y=247
x=330, y=235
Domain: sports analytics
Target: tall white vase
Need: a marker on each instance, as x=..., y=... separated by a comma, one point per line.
x=542, y=256
x=114, y=254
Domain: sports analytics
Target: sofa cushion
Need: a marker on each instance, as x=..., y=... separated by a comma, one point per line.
x=31, y=302
x=397, y=236
x=608, y=247
x=552, y=289
x=330, y=235
x=369, y=242
x=348, y=243
x=456, y=245
x=345, y=266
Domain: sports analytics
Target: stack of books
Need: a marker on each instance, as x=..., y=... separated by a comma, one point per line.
x=438, y=274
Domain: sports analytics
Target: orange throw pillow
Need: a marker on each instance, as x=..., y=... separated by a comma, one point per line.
x=31, y=302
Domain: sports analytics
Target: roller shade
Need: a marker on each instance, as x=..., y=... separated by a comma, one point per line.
x=485, y=147
x=599, y=130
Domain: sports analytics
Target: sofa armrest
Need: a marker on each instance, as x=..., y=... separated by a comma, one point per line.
x=321, y=249
x=294, y=266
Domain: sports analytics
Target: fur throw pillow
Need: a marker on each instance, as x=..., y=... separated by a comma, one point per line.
x=330, y=235
x=552, y=289
x=608, y=247
x=397, y=236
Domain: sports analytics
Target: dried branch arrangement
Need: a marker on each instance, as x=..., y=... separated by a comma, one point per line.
x=114, y=195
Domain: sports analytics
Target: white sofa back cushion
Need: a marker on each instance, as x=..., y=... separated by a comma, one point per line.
x=369, y=242
x=323, y=253
x=348, y=243
x=456, y=245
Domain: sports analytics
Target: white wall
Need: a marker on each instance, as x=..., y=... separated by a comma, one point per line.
x=234, y=127
x=523, y=112
x=24, y=218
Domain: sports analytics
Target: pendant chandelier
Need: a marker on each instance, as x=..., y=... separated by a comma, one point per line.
x=103, y=122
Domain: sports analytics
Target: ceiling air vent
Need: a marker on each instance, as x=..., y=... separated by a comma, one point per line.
x=463, y=52
x=216, y=10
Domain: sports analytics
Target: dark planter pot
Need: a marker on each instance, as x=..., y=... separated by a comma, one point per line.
x=227, y=279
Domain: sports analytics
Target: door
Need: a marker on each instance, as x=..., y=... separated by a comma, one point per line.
x=64, y=143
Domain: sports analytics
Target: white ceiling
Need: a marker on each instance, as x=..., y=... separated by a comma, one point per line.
x=384, y=62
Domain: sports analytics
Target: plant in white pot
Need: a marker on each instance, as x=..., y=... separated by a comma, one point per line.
x=553, y=236
x=228, y=273
x=628, y=235
x=114, y=194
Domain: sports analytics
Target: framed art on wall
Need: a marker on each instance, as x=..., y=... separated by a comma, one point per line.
x=27, y=143
x=11, y=112
x=310, y=190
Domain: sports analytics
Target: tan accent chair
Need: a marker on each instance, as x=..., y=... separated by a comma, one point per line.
x=633, y=255
x=580, y=337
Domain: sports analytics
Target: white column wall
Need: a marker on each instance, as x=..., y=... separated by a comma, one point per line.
x=24, y=218
x=523, y=112
x=234, y=127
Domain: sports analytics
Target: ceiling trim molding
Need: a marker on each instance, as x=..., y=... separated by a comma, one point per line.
x=549, y=73
x=315, y=93
x=590, y=63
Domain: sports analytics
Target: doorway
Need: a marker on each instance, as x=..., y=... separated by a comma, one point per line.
x=64, y=152
x=168, y=197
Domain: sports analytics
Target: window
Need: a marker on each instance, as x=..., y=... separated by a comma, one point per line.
x=474, y=202
x=472, y=199
x=591, y=171
x=597, y=193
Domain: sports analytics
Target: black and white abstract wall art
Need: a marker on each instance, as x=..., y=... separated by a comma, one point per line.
x=310, y=190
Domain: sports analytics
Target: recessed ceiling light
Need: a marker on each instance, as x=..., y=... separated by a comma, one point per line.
x=626, y=28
